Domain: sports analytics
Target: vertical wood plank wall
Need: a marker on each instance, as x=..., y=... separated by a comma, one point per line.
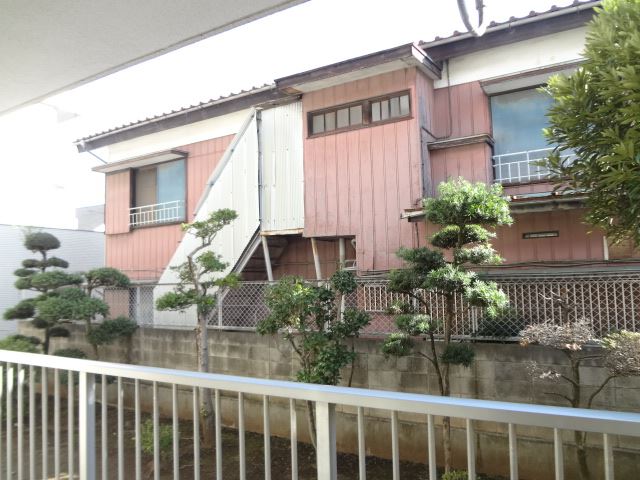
x=143, y=253
x=358, y=182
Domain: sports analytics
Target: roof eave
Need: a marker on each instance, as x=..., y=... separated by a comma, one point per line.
x=265, y=95
x=408, y=54
x=521, y=29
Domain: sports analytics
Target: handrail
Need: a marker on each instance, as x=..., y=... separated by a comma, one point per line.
x=163, y=204
x=602, y=421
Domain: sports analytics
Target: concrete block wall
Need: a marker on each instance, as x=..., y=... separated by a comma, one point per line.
x=500, y=372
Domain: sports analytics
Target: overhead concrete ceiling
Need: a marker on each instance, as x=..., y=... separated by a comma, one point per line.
x=49, y=46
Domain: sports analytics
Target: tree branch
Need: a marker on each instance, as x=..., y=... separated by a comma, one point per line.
x=598, y=390
x=559, y=395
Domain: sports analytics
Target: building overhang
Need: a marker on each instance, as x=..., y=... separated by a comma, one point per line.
x=51, y=46
x=142, y=161
x=519, y=204
x=409, y=55
x=528, y=78
x=266, y=95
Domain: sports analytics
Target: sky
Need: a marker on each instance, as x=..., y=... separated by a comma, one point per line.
x=42, y=177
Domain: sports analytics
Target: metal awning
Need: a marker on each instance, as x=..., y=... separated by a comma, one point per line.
x=51, y=46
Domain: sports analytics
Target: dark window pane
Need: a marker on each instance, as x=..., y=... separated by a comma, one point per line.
x=375, y=111
x=384, y=110
x=318, y=124
x=404, y=105
x=343, y=118
x=145, y=187
x=330, y=121
x=394, y=103
x=356, y=115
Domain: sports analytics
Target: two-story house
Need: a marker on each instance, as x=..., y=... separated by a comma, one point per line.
x=330, y=166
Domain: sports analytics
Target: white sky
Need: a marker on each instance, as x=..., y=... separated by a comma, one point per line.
x=43, y=179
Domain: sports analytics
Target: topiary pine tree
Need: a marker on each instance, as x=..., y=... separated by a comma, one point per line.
x=463, y=210
x=65, y=297
x=44, y=276
x=595, y=116
x=197, y=283
x=109, y=330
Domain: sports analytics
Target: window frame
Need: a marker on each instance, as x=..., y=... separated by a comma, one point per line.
x=367, y=120
x=534, y=86
x=132, y=189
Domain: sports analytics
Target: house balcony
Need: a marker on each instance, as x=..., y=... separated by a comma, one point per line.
x=159, y=213
x=522, y=167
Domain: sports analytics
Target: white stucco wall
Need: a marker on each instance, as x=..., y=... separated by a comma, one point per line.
x=541, y=52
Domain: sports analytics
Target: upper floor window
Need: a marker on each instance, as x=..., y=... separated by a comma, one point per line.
x=518, y=119
x=159, y=194
x=358, y=114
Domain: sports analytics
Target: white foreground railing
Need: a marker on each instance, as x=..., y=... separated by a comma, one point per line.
x=521, y=167
x=16, y=365
x=166, y=212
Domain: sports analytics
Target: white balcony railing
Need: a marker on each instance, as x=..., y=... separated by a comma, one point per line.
x=520, y=167
x=20, y=457
x=166, y=212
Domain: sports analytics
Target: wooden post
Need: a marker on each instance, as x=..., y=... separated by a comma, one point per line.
x=316, y=258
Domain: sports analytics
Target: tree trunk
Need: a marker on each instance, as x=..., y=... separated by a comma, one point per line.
x=311, y=420
x=444, y=382
x=579, y=437
x=47, y=339
x=581, y=452
x=206, y=404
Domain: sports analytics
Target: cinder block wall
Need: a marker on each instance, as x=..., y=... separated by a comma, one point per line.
x=500, y=372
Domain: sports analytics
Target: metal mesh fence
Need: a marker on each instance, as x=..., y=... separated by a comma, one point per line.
x=609, y=301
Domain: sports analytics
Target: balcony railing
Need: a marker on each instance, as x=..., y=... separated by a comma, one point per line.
x=520, y=167
x=27, y=418
x=166, y=212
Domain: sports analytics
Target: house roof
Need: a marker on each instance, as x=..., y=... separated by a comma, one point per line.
x=424, y=55
x=534, y=24
x=410, y=54
x=194, y=113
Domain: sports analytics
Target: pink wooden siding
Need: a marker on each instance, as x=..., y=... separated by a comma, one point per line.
x=297, y=259
x=117, y=202
x=143, y=253
x=575, y=241
x=525, y=188
x=357, y=183
x=469, y=161
x=470, y=114
x=202, y=160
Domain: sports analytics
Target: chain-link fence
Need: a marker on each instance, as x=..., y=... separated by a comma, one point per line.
x=609, y=301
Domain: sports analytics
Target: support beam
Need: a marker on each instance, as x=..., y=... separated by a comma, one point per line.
x=343, y=252
x=267, y=258
x=316, y=258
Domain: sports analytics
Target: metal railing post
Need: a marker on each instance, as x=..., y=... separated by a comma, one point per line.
x=326, y=441
x=87, y=426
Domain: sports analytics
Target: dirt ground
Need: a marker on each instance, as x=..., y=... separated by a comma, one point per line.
x=377, y=468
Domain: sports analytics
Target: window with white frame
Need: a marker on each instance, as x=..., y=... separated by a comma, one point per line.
x=159, y=194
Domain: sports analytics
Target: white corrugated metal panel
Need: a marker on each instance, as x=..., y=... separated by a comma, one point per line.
x=282, y=186
x=83, y=250
x=233, y=184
